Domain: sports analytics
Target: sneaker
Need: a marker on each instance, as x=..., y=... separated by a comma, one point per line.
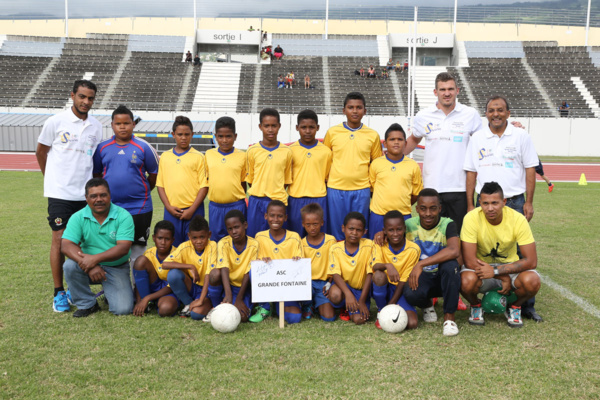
x=307, y=311
x=377, y=324
x=207, y=317
x=344, y=316
x=434, y=300
x=150, y=307
x=185, y=312
x=461, y=305
x=450, y=328
x=260, y=315
x=85, y=312
x=551, y=188
x=69, y=298
x=513, y=317
x=476, y=317
x=61, y=302
x=429, y=314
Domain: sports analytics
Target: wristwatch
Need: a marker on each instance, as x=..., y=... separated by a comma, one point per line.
x=495, y=271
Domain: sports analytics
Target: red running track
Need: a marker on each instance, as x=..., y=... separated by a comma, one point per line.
x=556, y=172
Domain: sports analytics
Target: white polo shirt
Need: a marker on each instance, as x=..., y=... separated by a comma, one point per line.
x=446, y=141
x=501, y=159
x=72, y=144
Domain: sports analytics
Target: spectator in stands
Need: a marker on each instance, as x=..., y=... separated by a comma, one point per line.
x=197, y=60
x=264, y=55
x=398, y=66
x=290, y=80
x=306, y=81
x=280, y=82
x=384, y=74
x=278, y=52
x=362, y=71
x=264, y=36
x=371, y=72
x=269, y=51
x=564, y=109
x=390, y=65
x=406, y=65
x=251, y=29
x=188, y=57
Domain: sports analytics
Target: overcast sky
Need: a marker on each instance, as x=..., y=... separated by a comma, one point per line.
x=205, y=8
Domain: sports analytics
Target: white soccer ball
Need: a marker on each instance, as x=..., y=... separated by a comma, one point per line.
x=225, y=318
x=393, y=318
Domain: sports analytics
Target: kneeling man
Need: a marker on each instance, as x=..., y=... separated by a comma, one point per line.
x=97, y=241
x=490, y=235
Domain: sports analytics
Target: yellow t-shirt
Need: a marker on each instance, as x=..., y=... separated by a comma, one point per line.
x=310, y=169
x=182, y=176
x=318, y=256
x=238, y=263
x=496, y=243
x=204, y=262
x=393, y=183
x=288, y=247
x=269, y=170
x=403, y=261
x=353, y=268
x=225, y=173
x=151, y=255
x=353, y=150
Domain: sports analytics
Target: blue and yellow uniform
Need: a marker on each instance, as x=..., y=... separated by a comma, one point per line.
x=142, y=284
x=348, y=183
x=403, y=260
x=310, y=170
x=268, y=170
x=182, y=175
x=393, y=183
x=318, y=261
x=226, y=173
x=352, y=267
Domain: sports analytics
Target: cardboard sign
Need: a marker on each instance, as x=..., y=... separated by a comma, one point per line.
x=281, y=280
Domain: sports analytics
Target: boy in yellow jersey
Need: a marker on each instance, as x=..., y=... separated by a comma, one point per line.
x=181, y=181
x=311, y=161
x=277, y=243
x=150, y=277
x=234, y=254
x=395, y=180
x=189, y=267
x=226, y=172
x=268, y=171
x=351, y=265
x=354, y=146
x=316, y=245
x=394, y=261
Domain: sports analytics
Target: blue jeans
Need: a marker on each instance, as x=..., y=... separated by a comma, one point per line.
x=117, y=287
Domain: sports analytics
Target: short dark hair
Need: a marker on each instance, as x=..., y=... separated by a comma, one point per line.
x=166, y=225
x=269, y=112
x=198, y=224
x=355, y=215
x=85, y=83
x=429, y=192
x=308, y=114
x=355, y=96
x=491, y=188
x=225, y=122
x=235, y=214
x=497, y=97
x=183, y=120
x=312, y=208
x=276, y=203
x=395, y=127
x=121, y=110
x=444, y=77
x=393, y=214
x=95, y=182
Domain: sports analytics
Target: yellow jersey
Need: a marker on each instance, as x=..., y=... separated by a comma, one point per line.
x=288, y=247
x=204, y=261
x=151, y=255
x=225, y=173
x=353, y=268
x=269, y=170
x=393, y=183
x=353, y=150
x=318, y=256
x=238, y=263
x=310, y=169
x=182, y=176
x=403, y=261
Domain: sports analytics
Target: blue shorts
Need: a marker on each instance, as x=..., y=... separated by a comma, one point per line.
x=357, y=293
x=401, y=301
x=234, y=293
x=195, y=291
x=340, y=203
x=295, y=204
x=257, y=208
x=376, y=224
x=216, y=217
x=159, y=284
x=318, y=298
x=181, y=226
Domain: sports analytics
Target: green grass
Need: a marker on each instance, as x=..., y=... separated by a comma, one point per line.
x=560, y=159
x=48, y=355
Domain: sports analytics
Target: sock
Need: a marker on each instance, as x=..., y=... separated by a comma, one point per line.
x=380, y=294
x=142, y=282
x=58, y=289
x=292, y=318
x=196, y=316
x=176, y=279
x=549, y=183
x=215, y=294
x=328, y=319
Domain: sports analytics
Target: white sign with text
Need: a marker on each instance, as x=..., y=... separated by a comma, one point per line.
x=281, y=280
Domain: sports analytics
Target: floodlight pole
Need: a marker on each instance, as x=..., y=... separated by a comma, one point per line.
x=587, y=23
x=412, y=67
x=326, y=18
x=455, y=8
x=195, y=20
x=67, y=18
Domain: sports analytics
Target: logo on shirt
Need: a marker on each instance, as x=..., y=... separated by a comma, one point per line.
x=353, y=262
x=394, y=259
x=483, y=153
x=134, y=158
x=393, y=168
x=64, y=137
x=199, y=261
x=270, y=156
x=318, y=254
x=113, y=234
x=352, y=136
x=332, y=266
x=458, y=139
x=276, y=250
x=220, y=260
x=430, y=127
x=121, y=152
x=178, y=160
x=58, y=221
x=237, y=260
x=223, y=160
x=509, y=164
x=308, y=155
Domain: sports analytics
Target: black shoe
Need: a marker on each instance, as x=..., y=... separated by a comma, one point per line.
x=531, y=314
x=84, y=312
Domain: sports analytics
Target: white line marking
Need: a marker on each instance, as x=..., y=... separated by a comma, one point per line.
x=566, y=293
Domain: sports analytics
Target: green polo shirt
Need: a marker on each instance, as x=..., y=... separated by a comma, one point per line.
x=94, y=238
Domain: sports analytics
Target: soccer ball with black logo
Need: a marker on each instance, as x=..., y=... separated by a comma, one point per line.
x=393, y=318
x=225, y=318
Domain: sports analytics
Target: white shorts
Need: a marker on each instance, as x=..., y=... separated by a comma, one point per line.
x=493, y=283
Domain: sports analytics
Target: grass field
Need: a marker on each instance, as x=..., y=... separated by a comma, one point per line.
x=46, y=355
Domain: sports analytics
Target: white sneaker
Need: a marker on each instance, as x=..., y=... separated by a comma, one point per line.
x=429, y=314
x=207, y=318
x=185, y=311
x=450, y=328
